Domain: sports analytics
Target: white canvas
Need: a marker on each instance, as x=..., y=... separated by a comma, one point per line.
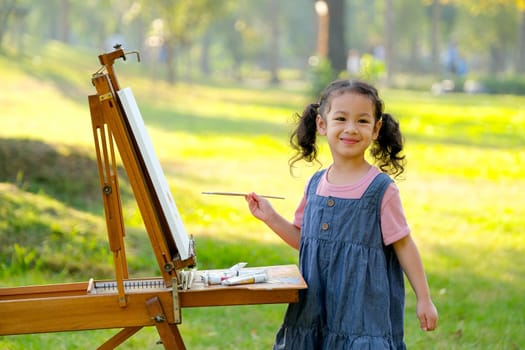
x=156, y=174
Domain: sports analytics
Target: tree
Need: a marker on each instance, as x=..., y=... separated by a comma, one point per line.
x=498, y=20
x=435, y=36
x=390, y=39
x=7, y=8
x=13, y=15
x=65, y=25
x=520, y=60
x=182, y=22
x=275, y=38
x=336, y=35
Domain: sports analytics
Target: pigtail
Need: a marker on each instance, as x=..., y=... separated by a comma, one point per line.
x=388, y=146
x=303, y=138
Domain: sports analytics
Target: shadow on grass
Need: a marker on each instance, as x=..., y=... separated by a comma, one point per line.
x=65, y=172
x=40, y=234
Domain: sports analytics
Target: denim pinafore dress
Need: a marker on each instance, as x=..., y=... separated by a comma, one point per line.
x=355, y=296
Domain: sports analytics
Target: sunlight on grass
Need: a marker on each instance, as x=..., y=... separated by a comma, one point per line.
x=495, y=121
x=462, y=193
x=465, y=161
x=35, y=109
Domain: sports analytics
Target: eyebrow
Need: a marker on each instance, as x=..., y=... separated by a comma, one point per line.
x=363, y=114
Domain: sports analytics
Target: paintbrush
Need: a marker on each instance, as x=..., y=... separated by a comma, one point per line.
x=239, y=194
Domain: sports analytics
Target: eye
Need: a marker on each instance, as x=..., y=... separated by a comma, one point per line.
x=363, y=121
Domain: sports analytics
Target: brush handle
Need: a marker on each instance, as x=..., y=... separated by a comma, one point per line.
x=239, y=194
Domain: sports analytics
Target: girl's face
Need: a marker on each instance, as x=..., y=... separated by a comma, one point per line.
x=349, y=125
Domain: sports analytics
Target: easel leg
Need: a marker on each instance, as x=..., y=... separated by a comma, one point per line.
x=169, y=333
x=119, y=338
x=179, y=343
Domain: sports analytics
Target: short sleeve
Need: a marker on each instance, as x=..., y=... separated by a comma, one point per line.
x=394, y=225
x=298, y=217
x=299, y=212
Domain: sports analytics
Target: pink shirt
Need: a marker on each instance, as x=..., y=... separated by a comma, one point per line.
x=393, y=222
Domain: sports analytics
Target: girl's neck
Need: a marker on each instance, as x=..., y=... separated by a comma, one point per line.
x=347, y=173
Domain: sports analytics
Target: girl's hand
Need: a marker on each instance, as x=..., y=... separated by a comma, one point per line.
x=262, y=209
x=259, y=207
x=427, y=314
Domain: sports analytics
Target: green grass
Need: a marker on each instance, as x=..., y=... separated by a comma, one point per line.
x=462, y=192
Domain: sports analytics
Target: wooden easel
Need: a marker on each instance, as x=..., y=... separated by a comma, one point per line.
x=131, y=304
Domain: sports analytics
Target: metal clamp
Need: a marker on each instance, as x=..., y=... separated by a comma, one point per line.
x=176, y=305
x=159, y=318
x=107, y=189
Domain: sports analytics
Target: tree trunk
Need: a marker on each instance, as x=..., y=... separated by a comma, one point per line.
x=415, y=58
x=336, y=37
x=205, y=54
x=497, y=59
x=170, y=61
x=275, y=37
x=390, y=39
x=65, y=27
x=6, y=9
x=520, y=64
x=20, y=14
x=436, y=18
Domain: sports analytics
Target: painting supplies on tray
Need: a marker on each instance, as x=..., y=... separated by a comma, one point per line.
x=249, y=278
x=235, y=275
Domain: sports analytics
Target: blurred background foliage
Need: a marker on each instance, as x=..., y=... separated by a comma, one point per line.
x=477, y=45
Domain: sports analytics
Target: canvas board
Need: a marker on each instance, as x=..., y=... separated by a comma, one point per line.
x=160, y=185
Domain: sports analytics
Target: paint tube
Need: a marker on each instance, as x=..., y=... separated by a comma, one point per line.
x=235, y=268
x=214, y=278
x=218, y=277
x=246, y=279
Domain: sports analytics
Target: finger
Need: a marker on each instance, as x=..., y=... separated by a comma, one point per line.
x=251, y=197
x=431, y=324
x=423, y=324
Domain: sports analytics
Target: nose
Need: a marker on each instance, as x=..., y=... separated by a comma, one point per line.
x=350, y=127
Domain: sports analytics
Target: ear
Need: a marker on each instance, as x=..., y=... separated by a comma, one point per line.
x=321, y=125
x=377, y=127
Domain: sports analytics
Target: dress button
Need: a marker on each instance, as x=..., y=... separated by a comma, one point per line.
x=330, y=202
x=325, y=226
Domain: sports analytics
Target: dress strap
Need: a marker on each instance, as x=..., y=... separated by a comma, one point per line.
x=378, y=186
x=314, y=182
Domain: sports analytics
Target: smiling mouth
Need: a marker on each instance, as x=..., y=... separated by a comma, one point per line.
x=349, y=141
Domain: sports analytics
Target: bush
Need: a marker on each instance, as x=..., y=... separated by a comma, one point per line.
x=510, y=85
x=320, y=76
x=372, y=69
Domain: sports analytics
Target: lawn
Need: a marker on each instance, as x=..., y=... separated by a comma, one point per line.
x=462, y=192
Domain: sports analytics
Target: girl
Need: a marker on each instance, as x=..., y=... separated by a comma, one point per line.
x=350, y=229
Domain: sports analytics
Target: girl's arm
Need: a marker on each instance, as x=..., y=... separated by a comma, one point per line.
x=410, y=261
x=263, y=210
